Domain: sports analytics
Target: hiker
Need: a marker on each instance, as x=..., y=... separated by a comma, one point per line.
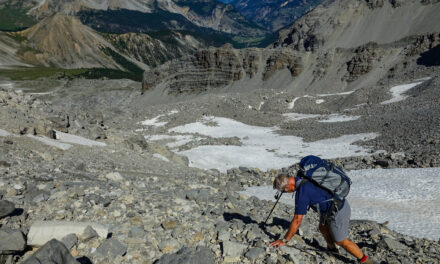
x=334, y=227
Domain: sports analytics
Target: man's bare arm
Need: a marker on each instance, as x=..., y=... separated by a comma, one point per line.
x=293, y=228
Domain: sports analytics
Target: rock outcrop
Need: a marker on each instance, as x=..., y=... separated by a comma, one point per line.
x=218, y=67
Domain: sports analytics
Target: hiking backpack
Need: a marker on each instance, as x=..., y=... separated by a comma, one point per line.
x=326, y=175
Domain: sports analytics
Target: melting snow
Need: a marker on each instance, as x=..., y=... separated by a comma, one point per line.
x=339, y=118
x=297, y=116
x=154, y=122
x=292, y=104
x=157, y=155
x=178, y=140
x=51, y=142
x=343, y=93
x=262, y=148
x=398, y=92
x=4, y=133
x=69, y=138
x=408, y=198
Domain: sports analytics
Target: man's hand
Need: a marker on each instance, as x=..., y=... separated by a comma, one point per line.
x=278, y=243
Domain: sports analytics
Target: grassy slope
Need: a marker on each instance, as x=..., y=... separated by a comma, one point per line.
x=14, y=19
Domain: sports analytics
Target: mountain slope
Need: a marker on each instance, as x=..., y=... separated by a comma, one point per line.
x=175, y=14
x=349, y=24
x=340, y=46
x=274, y=14
x=64, y=42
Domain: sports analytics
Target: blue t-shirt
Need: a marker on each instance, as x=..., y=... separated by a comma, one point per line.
x=311, y=195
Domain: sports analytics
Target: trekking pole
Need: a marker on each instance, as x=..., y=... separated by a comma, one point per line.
x=277, y=196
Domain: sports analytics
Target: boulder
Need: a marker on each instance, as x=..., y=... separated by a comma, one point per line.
x=112, y=248
x=53, y=252
x=42, y=232
x=199, y=255
x=11, y=241
x=6, y=208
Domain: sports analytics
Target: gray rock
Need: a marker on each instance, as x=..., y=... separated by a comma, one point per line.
x=70, y=240
x=293, y=253
x=6, y=208
x=53, y=252
x=111, y=248
x=11, y=241
x=137, y=232
x=199, y=255
x=393, y=244
x=255, y=253
x=233, y=249
x=88, y=234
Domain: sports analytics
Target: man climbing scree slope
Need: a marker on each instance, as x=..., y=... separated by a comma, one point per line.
x=333, y=224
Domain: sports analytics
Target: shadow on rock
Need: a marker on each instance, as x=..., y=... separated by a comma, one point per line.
x=430, y=57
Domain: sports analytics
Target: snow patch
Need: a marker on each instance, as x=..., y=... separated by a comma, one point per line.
x=333, y=118
x=408, y=198
x=51, y=142
x=69, y=138
x=157, y=155
x=4, y=133
x=292, y=103
x=262, y=148
x=154, y=122
x=398, y=91
x=298, y=116
x=343, y=93
x=319, y=101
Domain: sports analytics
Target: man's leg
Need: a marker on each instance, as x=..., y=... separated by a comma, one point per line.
x=325, y=231
x=351, y=248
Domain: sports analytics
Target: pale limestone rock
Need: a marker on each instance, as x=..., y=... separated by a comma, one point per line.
x=44, y=231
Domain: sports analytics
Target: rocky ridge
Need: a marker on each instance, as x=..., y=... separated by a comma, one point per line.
x=215, y=68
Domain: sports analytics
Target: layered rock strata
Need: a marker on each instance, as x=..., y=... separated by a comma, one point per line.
x=215, y=68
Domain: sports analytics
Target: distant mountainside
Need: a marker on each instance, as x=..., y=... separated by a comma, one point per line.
x=340, y=46
x=274, y=14
x=63, y=42
x=153, y=15
x=349, y=24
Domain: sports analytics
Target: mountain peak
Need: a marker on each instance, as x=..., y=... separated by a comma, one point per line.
x=62, y=40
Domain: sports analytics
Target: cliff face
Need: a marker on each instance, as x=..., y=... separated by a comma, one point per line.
x=215, y=68
x=151, y=51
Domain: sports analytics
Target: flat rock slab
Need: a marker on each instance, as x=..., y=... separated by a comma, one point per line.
x=53, y=252
x=6, y=208
x=42, y=232
x=233, y=249
x=112, y=248
x=11, y=241
x=199, y=255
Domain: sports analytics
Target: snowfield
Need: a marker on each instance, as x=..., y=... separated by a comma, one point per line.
x=408, y=198
x=261, y=147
